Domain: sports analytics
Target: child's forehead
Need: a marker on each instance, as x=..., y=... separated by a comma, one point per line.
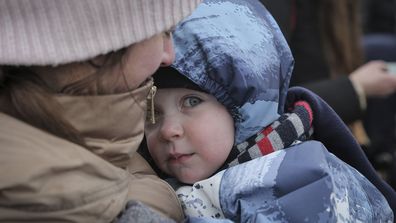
x=163, y=93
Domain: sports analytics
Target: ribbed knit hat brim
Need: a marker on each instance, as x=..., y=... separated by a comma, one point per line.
x=48, y=32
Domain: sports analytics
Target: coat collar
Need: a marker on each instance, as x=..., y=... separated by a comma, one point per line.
x=98, y=120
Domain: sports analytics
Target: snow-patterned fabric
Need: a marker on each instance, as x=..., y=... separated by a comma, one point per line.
x=289, y=186
x=235, y=51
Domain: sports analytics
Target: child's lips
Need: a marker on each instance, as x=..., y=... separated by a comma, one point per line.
x=179, y=158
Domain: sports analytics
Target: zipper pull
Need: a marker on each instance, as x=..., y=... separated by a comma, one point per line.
x=150, y=97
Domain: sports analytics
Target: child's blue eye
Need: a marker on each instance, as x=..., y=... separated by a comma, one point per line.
x=191, y=101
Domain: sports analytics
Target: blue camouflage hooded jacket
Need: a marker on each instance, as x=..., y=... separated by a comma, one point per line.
x=235, y=51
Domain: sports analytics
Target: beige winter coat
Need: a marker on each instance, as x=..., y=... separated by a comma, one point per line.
x=44, y=178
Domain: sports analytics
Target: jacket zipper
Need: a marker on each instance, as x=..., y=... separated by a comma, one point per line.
x=150, y=97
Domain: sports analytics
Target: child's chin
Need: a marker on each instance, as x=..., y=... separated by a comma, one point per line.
x=191, y=179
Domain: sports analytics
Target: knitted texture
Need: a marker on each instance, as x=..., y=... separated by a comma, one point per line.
x=291, y=127
x=135, y=211
x=48, y=32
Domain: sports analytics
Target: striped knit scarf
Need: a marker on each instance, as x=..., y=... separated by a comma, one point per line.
x=290, y=128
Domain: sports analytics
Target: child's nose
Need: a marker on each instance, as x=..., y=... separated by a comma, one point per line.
x=171, y=128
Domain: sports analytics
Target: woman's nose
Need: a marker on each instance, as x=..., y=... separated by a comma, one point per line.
x=171, y=129
x=168, y=54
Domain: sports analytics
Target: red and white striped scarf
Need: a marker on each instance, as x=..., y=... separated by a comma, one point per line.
x=289, y=128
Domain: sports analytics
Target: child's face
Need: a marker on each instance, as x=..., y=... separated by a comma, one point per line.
x=192, y=136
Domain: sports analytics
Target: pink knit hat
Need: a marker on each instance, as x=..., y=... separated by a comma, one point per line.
x=48, y=32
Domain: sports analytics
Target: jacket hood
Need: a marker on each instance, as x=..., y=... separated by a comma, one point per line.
x=235, y=51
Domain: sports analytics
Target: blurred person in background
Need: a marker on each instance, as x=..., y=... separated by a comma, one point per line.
x=325, y=39
x=379, y=43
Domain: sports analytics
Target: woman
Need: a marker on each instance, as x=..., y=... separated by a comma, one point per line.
x=324, y=37
x=74, y=81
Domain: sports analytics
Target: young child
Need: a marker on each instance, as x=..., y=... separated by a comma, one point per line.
x=190, y=135
x=223, y=104
x=204, y=125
